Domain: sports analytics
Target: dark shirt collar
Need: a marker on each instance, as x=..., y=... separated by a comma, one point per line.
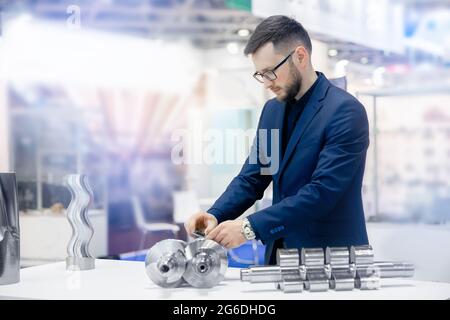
x=304, y=99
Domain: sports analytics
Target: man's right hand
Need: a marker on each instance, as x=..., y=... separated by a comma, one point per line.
x=201, y=221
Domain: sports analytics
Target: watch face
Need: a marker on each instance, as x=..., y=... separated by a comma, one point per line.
x=248, y=233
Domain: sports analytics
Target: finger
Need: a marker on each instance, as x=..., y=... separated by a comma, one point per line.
x=221, y=237
x=194, y=224
x=225, y=242
x=210, y=225
x=199, y=225
x=214, y=232
x=191, y=226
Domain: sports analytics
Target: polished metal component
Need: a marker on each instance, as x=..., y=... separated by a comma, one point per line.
x=395, y=269
x=9, y=230
x=206, y=263
x=165, y=263
x=291, y=277
x=312, y=257
x=339, y=269
x=79, y=257
x=367, y=275
x=361, y=255
x=288, y=258
x=368, y=278
x=337, y=257
x=316, y=281
x=342, y=280
x=292, y=286
x=261, y=274
x=201, y=263
x=314, y=261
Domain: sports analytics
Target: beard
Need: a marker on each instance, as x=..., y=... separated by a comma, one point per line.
x=293, y=88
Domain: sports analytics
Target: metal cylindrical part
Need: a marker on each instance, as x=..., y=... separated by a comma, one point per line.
x=206, y=263
x=313, y=257
x=361, y=255
x=291, y=274
x=337, y=257
x=288, y=258
x=166, y=262
x=368, y=277
x=292, y=286
x=261, y=274
x=203, y=262
x=394, y=269
x=342, y=280
x=367, y=283
x=316, y=281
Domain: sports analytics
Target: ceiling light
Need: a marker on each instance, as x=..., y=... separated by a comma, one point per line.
x=332, y=52
x=364, y=60
x=244, y=32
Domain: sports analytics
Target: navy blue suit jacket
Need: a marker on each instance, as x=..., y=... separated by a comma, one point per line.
x=317, y=198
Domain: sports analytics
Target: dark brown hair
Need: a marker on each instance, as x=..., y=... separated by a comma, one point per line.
x=282, y=31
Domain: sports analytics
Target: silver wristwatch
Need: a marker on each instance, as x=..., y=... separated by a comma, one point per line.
x=247, y=230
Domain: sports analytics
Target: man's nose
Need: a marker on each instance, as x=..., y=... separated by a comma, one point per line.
x=268, y=83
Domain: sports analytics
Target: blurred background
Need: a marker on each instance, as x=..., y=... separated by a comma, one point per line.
x=105, y=87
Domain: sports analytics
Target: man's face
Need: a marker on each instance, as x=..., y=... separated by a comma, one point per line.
x=289, y=79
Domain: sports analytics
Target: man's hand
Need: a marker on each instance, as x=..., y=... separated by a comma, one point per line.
x=228, y=234
x=202, y=221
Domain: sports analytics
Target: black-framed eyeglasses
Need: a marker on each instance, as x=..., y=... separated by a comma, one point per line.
x=270, y=74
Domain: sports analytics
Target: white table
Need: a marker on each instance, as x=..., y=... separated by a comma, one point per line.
x=112, y=279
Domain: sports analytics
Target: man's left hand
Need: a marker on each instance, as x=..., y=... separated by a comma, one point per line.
x=228, y=234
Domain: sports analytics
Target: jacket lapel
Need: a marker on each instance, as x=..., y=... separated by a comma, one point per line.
x=312, y=107
x=279, y=123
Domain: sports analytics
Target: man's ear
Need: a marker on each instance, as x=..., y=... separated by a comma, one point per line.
x=301, y=56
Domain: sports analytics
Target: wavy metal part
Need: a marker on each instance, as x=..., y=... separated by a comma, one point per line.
x=9, y=230
x=79, y=257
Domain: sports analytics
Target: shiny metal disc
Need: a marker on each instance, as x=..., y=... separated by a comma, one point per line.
x=166, y=262
x=206, y=264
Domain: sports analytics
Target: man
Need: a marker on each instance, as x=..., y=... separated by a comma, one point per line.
x=323, y=142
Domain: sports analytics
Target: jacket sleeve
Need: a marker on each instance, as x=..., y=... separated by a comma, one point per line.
x=247, y=187
x=346, y=143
